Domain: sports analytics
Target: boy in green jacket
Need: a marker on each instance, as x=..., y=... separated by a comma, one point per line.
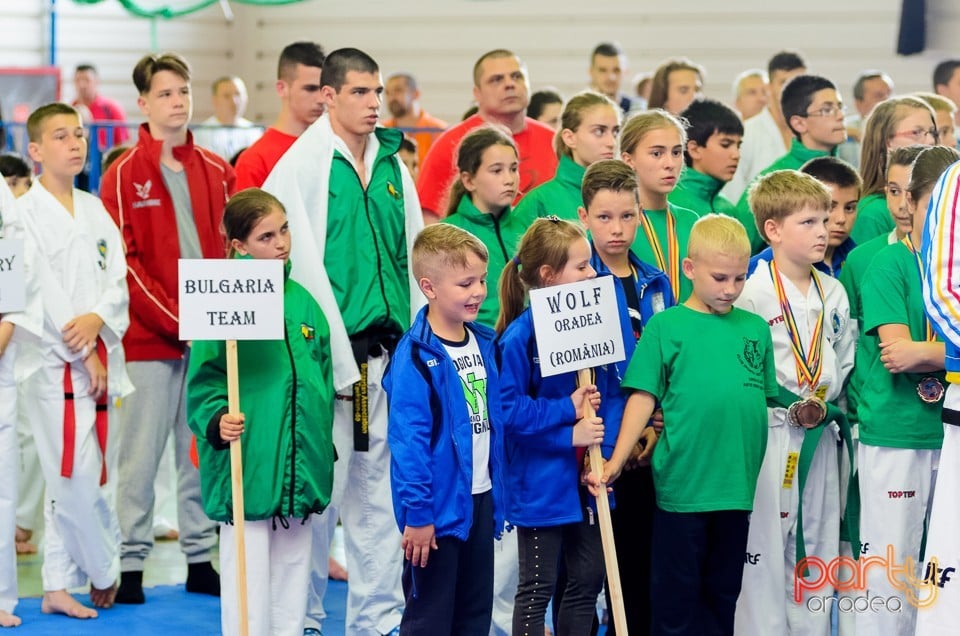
x=286, y=391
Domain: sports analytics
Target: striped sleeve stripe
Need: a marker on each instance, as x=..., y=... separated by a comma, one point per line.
x=943, y=271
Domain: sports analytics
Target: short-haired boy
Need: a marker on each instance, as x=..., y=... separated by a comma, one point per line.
x=445, y=441
x=813, y=342
x=78, y=365
x=813, y=109
x=610, y=214
x=844, y=183
x=166, y=195
x=705, y=466
x=16, y=172
x=712, y=154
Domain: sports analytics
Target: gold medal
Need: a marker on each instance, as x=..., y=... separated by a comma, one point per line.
x=821, y=391
x=930, y=390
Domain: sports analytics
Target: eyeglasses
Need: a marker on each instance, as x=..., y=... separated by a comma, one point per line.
x=830, y=110
x=919, y=134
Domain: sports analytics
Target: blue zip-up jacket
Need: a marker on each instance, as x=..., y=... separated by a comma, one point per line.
x=653, y=290
x=542, y=467
x=839, y=256
x=430, y=436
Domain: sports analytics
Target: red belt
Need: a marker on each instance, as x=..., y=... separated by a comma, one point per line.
x=70, y=421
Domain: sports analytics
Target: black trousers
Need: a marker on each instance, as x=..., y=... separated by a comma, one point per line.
x=541, y=550
x=453, y=594
x=696, y=571
x=633, y=535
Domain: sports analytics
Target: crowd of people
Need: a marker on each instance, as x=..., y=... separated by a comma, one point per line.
x=778, y=440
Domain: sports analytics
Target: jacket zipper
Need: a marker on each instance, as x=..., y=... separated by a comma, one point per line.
x=373, y=233
x=293, y=420
x=503, y=248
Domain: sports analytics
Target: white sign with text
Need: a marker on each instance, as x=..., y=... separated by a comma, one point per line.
x=231, y=299
x=13, y=286
x=577, y=325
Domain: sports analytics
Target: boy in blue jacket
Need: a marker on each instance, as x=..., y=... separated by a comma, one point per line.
x=445, y=441
x=611, y=215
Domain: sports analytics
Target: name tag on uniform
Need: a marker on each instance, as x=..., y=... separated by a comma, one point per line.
x=790, y=473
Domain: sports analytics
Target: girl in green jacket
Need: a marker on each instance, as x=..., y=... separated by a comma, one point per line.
x=588, y=131
x=286, y=397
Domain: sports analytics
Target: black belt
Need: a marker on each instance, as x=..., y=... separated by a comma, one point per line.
x=951, y=417
x=369, y=343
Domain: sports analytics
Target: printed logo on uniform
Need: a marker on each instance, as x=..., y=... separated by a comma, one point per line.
x=836, y=321
x=306, y=331
x=751, y=359
x=102, y=251
x=143, y=190
x=392, y=191
x=657, y=302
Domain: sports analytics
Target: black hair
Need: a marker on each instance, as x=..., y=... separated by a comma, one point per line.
x=606, y=49
x=785, y=61
x=833, y=171
x=798, y=94
x=305, y=53
x=13, y=165
x=943, y=72
x=539, y=100
x=341, y=62
x=707, y=117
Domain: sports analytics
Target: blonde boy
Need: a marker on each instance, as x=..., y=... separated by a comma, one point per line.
x=446, y=441
x=705, y=468
x=79, y=363
x=813, y=341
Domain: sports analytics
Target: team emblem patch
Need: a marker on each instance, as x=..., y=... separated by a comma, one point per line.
x=392, y=191
x=751, y=358
x=143, y=190
x=102, y=251
x=836, y=321
x=306, y=331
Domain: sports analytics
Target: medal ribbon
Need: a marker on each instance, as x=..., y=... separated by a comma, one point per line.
x=927, y=327
x=673, y=249
x=808, y=365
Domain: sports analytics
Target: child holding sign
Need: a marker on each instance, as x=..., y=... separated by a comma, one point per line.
x=706, y=466
x=286, y=392
x=610, y=215
x=80, y=363
x=446, y=441
x=545, y=424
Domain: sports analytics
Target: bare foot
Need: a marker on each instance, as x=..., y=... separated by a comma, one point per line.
x=60, y=602
x=103, y=598
x=336, y=571
x=9, y=620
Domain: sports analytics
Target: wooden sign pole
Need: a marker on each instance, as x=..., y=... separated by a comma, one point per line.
x=606, y=525
x=236, y=481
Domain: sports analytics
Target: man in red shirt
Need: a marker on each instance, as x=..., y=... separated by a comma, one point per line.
x=100, y=108
x=403, y=102
x=298, y=85
x=500, y=90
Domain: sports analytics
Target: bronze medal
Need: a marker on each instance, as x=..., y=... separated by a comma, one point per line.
x=930, y=390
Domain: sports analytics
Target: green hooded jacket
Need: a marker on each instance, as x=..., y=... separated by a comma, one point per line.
x=559, y=196
x=286, y=396
x=501, y=234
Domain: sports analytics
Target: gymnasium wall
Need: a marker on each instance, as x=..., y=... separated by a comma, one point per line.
x=438, y=40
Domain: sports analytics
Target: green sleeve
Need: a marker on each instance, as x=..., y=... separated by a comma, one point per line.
x=769, y=366
x=528, y=210
x=848, y=280
x=872, y=221
x=884, y=296
x=647, y=369
x=743, y=214
x=206, y=398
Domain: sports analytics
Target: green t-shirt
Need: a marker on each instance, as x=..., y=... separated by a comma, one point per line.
x=873, y=219
x=890, y=411
x=559, y=196
x=644, y=250
x=700, y=193
x=851, y=277
x=713, y=375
